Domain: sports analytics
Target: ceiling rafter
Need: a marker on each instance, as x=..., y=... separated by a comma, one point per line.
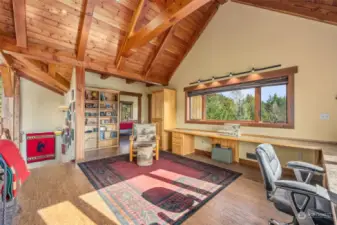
x=306, y=9
x=211, y=12
x=6, y=75
x=85, y=27
x=38, y=71
x=159, y=50
x=132, y=26
x=50, y=55
x=23, y=73
x=19, y=8
x=177, y=11
x=52, y=69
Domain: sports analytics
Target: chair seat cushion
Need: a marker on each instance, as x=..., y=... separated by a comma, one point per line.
x=140, y=143
x=317, y=205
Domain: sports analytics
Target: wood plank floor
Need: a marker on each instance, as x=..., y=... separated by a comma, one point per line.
x=61, y=194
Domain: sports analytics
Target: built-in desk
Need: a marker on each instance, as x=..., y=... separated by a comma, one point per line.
x=327, y=150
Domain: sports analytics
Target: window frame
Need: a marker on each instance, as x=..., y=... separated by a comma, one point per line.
x=257, y=122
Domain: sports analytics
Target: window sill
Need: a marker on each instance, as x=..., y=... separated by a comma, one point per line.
x=244, y=123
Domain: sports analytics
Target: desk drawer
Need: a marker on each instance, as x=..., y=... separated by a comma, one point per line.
x=176, y=135
x=176, y=148
x=177, y=140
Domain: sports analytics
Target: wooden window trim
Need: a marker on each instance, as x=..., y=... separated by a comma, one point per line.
x=288, y=72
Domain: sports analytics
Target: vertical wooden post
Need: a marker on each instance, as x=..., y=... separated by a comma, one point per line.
x=79, y=120
x=17, y=110
x=7, y=81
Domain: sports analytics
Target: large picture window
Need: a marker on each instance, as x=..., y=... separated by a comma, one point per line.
x=264, y=99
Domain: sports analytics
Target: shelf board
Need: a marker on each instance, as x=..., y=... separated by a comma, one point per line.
x=91, y=125
x=106, y=117
x=107, y=101
x=108, y=139
x=91, y=101
x=91, y=117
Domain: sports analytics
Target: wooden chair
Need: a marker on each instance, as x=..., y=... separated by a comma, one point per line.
x=144, y=134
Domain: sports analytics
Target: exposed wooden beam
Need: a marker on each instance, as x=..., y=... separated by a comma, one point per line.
x=177, y=11
x=142, y=16
x=50, y=55
x=129, y=81
x=6, y=75
x=132, y=26
x=19, y=8
x=160, y=49
x=79, y=120
x=52, y=69
x=212, y=11
x=38, y=81
x=6, y=59
x=302, y=8
x=57, y=80
x=85, y=27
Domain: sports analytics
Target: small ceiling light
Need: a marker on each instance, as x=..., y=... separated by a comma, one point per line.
x=199, y=81
x=253, y=69
x=230, y=74
x=213, y=78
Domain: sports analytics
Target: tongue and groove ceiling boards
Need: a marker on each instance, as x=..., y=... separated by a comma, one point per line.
x=139, y=40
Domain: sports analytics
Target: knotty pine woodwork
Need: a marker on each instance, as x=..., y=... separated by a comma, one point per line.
x=133, y=23
x=173, y=14
x=80, y=110
x=38, y=71
x=6, y=77
x=85, y=28
x=323, y=11
x=19, y=9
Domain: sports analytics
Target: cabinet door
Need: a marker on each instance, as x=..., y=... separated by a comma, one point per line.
x=153, y=105
x=159, y=104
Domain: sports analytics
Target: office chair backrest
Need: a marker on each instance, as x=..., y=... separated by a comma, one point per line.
x=270, y=166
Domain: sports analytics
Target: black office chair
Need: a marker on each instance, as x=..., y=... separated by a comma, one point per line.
x=308, y=204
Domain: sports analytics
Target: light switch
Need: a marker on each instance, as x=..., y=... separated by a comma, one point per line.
x=324, y=116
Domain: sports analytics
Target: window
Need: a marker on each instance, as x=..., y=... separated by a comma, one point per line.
x=126, y=111
x=264, y=99
x=231, y=105
x=274, y=104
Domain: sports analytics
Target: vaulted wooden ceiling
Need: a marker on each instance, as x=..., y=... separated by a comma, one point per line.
x=139, y=40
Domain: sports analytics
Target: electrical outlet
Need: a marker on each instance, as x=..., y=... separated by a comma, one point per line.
x=324, y=116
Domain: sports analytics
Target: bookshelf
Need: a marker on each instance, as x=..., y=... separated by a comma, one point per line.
x=101, y=119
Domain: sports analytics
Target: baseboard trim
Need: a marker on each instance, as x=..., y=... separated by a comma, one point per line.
x=203, y=153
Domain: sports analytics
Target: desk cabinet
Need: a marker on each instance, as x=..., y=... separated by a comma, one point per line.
x=163, y=113
x=226, y=143
x=182, y=144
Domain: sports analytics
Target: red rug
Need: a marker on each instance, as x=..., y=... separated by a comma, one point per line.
x=167, y=192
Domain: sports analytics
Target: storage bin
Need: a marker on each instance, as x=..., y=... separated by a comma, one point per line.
x=222, y=154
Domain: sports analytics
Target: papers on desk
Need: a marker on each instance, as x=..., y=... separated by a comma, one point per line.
x=230, y=129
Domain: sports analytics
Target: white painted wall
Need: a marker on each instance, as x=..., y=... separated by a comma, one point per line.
x=39, y=108
x=240, y=37
x=93, y=80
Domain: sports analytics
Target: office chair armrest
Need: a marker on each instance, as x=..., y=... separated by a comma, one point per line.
x=305, y=166
x=306, y=189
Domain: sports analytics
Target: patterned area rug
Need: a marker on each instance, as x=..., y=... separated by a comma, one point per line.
x=168, y=192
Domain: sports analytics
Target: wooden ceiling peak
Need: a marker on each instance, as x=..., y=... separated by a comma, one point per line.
x=177, y=11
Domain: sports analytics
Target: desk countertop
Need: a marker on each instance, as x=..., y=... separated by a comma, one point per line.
x=329, y=150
